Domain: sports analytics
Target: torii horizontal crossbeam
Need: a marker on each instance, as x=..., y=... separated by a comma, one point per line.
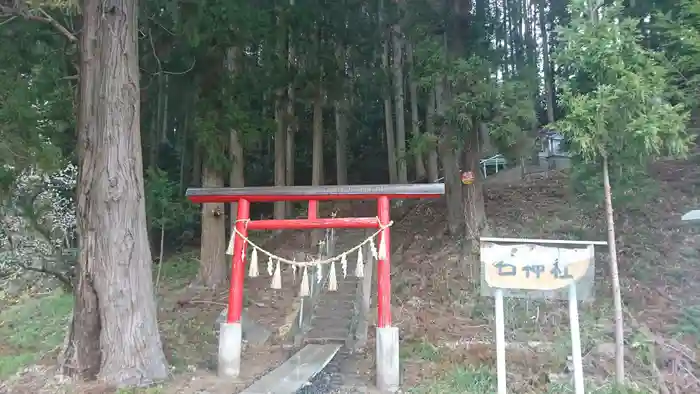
x=311, y=224
x=318, y=193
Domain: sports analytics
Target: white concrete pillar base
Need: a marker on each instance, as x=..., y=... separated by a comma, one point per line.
x=230, y=344
x=388, y=369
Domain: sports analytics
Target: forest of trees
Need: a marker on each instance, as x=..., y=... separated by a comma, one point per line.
x=110, y=110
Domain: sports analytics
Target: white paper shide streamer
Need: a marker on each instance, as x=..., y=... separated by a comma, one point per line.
x=332, y=281
x=382, y=248
x=373, y=249
x=319, y=273
x=277, y=278
x=360, y=267
x=304, y=290
x=253, y=269
x=270, y=266
x=274, y=262
x=344, y=265
x=229, y=249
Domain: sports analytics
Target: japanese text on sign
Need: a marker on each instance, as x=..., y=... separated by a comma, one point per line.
x=532, y=267
x=535, y=271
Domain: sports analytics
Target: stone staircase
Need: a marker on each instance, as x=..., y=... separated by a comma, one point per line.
x=335, y=313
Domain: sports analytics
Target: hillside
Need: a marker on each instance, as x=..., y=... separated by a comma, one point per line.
x=446, y=329
x=658, y=262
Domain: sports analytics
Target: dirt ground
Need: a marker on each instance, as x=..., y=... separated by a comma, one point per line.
x=446, y=327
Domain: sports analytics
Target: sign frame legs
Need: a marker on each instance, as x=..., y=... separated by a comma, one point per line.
x=576, y=356
x=578, y=264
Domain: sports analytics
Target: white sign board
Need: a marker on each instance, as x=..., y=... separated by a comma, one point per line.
x=523, y=270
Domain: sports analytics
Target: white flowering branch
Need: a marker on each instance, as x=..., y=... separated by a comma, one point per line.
x=38, y=224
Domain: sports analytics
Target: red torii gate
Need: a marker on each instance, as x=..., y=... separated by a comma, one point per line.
x=387, y=340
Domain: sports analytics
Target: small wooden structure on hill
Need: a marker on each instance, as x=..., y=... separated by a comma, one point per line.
x=553, y=150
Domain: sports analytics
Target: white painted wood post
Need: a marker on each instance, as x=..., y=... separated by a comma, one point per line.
x=500, y=341
x=575, y=339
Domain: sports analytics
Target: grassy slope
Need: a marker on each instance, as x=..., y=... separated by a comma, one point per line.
x=32, y=329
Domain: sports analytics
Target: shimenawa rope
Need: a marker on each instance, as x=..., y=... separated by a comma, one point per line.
x=274, y=261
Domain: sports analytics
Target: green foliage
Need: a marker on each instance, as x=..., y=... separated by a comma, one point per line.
x=179, y=269
x=633, y=185
x=462, y=379
x=166, y=207
x=473, y=90
x=37, y=180
x=35, y=100
x=477, y=95
x=212, y=137
x=595, y=388
x=422, y=350
x=513, y=118
x=616, y=95
x=689, y=324
x=680, y=27
x=430, y=63
x=424, y=142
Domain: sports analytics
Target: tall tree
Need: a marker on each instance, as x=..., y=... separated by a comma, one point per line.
x=341, y=122
x=290, y=138
x=237, y=160
x=213, y=140
x=388, y=113
x=546, y=64
x=619, y=108
x=433, y=167
x=280, y=110
x=114, y=332
x=212, y=270
x=415, y=116
x=399, y=104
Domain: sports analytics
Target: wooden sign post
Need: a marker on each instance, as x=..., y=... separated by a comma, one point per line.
x=525, y=268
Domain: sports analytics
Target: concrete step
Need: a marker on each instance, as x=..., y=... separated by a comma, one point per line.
x=331, y=321
x=332, y=318
x=337, y=300
x=296, y=372
x=333, y=306
x=333, y=311
x=327, y=330
x=348, y=281
x=325, y=341
x=325, y=336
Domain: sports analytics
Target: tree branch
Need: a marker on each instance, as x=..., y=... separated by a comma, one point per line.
x=45, y=18
x=63, y=278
